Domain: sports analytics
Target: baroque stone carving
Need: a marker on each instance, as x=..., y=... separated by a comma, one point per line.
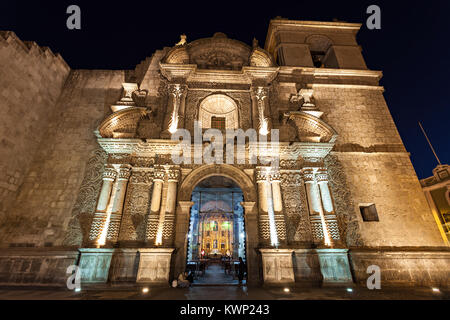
x=85, y=204
x=296, y=209
x=345, y=208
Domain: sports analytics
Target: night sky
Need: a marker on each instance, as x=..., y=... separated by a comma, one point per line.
x=412, y=48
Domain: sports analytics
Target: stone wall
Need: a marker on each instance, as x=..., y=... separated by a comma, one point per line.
x=32, y=266
x=31, y=79
x=402, y=266
x=45, y=203
x=377, y=169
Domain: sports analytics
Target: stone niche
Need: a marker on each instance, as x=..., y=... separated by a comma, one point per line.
x=334, y=266
x=277, y=266
x=154, y=265
x=94, y=264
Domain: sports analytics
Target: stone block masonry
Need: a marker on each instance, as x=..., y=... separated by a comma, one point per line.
x=31, y=79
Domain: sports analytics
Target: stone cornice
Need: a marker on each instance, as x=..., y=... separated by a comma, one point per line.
x=152, y=147
x=331, y=73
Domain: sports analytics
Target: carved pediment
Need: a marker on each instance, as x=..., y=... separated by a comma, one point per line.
x=310, y=128
x=122, y=124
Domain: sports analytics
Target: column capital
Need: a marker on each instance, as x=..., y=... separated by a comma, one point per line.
x=110, y=173
x=275, y=176
x=308, y=175
x=177, y=89
x=322, y=175
x=173, y=175
x=260, y=92
x=124, y=172
x=249, y=207
x=262, y=173
x=185, y=206
x=159, y=174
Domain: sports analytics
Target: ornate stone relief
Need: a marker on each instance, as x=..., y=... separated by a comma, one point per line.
x=345, y=208
x=85, y=204
x=296, y=208
x=137, y=204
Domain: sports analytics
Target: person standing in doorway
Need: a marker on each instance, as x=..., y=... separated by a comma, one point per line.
x=242, y=270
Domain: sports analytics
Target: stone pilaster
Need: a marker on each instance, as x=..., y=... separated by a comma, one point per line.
x=177, y=93
x=261, y=95
x=181, y=230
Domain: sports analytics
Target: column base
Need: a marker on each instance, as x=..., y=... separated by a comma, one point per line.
x=154, y=265
x=277, y=267
x=94, y=264
x=335, y=267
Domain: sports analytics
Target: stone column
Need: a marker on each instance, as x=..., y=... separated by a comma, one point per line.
x=155, y=205
x=315, y=204
x=261, y=95
x=275, y=179
x=109, y=175
x=267, y=216
x=263, y=186
x=322, y=180
x=313, y=199
x=101, y=214
x=117, y=207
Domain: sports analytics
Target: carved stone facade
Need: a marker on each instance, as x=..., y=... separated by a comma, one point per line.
x=115, y=191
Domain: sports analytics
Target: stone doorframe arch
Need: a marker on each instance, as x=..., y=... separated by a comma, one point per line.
x=237, y=175
x=250, y=215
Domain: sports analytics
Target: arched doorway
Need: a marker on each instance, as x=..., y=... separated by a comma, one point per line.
x=245, y=183
x=216, y=237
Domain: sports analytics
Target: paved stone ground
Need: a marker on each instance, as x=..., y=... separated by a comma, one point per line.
x=215, y=274
x=223, y=293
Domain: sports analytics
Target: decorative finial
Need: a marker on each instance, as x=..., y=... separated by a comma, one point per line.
x=255, y=42
x=182, y=41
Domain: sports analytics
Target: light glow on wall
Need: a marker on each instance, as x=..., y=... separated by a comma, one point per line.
x=272, y=226
x=174, y=123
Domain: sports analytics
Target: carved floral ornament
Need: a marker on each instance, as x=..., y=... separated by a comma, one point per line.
x=218, y=52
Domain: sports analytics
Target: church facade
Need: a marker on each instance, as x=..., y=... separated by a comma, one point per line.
x=90, y=178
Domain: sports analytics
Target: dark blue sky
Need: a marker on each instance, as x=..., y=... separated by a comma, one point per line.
x=412, y=48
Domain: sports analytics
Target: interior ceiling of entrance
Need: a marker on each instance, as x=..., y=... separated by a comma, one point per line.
x=217, y=182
